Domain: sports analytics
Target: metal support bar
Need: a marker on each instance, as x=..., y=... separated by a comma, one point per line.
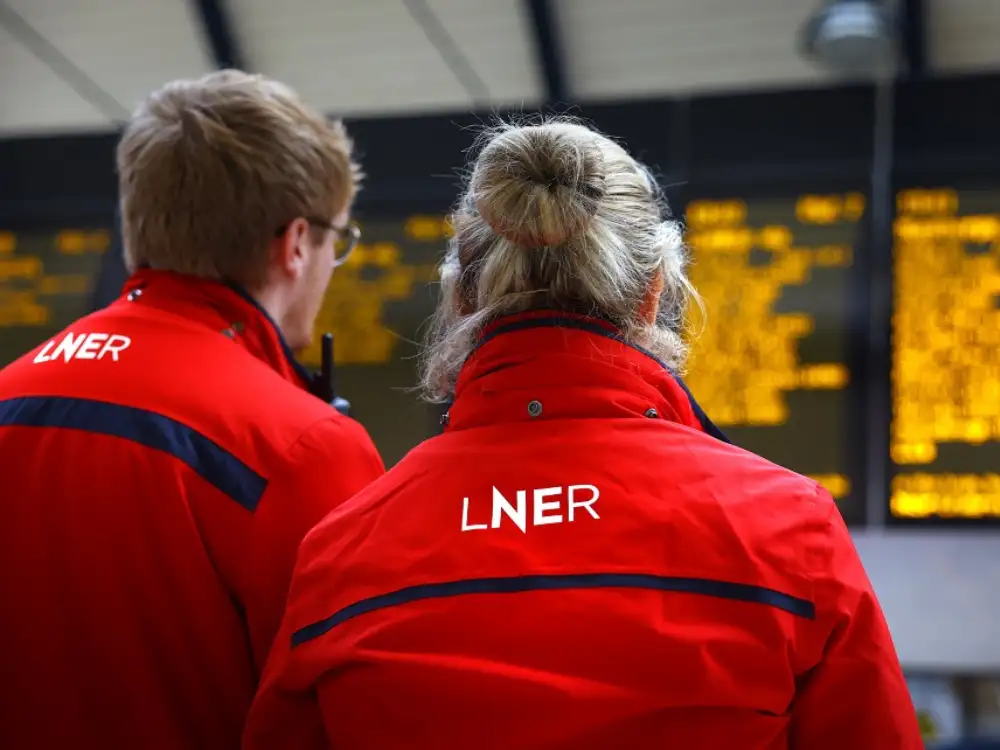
x=913, y=25
x=215, y=20
x=549, y=50
x=882, y=206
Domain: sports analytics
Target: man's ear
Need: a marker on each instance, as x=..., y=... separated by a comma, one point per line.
x=651, y=301
x=288, y=251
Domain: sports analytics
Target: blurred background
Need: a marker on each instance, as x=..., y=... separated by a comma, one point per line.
x=837, y=166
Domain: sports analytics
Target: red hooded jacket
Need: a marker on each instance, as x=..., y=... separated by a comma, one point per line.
x=160, y=462
x=575, y=563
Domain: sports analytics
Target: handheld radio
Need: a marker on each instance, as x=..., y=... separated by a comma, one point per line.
x=324, y=384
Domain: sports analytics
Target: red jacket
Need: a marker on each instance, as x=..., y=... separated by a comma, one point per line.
x=160, y=462
x=576, y=564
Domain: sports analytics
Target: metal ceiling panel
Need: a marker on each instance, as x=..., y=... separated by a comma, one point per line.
x=647, y=47
x=963, y=35
x=496, y=39
x=126, y=48
x=34, y=99
x=389, y=56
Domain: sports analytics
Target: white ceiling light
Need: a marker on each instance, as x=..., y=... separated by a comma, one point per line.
x=851, y=37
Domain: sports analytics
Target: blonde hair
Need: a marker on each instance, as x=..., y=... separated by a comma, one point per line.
x=557, y=216
x=210, y=169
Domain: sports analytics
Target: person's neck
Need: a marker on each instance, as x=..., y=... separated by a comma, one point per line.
x=271, y=301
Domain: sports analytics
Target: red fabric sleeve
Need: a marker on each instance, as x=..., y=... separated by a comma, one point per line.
x=286, y=712
x=330, y=463
x=856, y=696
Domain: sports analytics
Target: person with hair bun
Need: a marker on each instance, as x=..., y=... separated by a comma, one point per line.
x=580, y=560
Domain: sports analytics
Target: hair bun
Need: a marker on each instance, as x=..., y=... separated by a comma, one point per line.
x=540, y=185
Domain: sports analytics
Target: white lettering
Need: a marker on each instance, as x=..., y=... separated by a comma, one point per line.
x=91, y=346
x=68, y=346
x=114, y=346
x=43, y=355
x=541, y=506
x=573, y=504
x=466, y=526
x=545, y=511
x=85, y=346
x=518, y=516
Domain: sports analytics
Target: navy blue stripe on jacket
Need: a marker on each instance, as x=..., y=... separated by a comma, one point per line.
x=518, y=584
x=208, y=459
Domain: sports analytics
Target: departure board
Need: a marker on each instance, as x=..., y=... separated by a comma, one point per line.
x=770, y=362
x=46, y=281
x=945, y=432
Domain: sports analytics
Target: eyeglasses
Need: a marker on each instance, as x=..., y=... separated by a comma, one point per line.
x=346, y=237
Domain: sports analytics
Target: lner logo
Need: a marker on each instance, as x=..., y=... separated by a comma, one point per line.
x=550, y=505
x=84, y=346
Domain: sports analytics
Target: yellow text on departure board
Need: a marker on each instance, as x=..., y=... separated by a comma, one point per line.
x=745, y=358
x=923, y=494
x=946, y=326
x=28, y=286
x=837, y=485
x=428, y=228
x=21, y=309
x=354, y=308
x=79, y=242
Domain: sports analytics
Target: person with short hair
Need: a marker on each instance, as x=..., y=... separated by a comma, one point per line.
x=162, y=459
x=581, y=560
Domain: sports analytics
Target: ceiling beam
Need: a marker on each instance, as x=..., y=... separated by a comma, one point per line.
x=913, y=17
x=549, y=50
x=216, y=22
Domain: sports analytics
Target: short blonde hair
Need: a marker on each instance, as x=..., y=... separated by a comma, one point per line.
x=555, y=215
x=210, y=169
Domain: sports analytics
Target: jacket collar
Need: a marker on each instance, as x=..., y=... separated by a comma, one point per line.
x=226, y=308
x=546, y=365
